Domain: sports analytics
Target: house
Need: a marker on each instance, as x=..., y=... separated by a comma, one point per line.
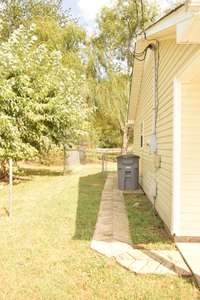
x=165, y=112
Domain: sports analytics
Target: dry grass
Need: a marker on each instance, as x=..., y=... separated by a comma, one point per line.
x=45, y=253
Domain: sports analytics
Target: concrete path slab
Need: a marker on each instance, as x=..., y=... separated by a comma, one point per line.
x=191, y=254
x=112, y=238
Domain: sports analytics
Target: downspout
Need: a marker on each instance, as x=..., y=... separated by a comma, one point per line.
x=153, y=139
x=154, y=46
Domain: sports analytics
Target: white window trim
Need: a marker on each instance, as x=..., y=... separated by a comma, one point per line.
x=177, y=141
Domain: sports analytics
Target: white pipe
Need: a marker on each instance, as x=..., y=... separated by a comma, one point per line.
x=155, y=92
x=10, y=187
x=153, y=142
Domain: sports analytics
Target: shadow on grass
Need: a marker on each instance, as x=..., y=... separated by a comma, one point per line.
x=90, y=189
x=32, y=171
x=146, y=228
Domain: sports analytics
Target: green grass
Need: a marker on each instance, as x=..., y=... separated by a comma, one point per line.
x=90, y=188
x=45, y=247
x=146, y=228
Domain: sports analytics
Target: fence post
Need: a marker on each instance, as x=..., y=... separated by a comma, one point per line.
x=103, y=163
x=106, y=163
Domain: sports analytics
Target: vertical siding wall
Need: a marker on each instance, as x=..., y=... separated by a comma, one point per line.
x=190, y=156
x=172, y=59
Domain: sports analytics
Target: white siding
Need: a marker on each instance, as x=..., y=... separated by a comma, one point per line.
x=190, y=160
x=172, y=59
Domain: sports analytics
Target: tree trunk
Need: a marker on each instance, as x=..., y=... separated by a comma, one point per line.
x=65, y=165
x=125, y=140
x=4, y=170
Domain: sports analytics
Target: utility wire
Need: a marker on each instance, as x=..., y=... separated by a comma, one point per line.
x=137, y=17
x=141, y=56
x=143, y=21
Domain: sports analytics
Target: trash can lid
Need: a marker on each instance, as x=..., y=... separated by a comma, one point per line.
x=126, y=156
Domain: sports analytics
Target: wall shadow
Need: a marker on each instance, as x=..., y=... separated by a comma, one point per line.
x=145, y=226
x=90, y=189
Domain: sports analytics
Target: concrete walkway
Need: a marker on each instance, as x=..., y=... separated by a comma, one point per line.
x=191, y=254
x=112, y=238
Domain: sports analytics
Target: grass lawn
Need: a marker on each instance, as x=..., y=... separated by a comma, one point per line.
x=146, y=228
x=44, y=248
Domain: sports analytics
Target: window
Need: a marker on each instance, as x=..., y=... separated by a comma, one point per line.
x=142, y=134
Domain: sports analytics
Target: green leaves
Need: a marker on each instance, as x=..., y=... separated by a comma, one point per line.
x=41, y=101
x=110, y=65
x=118, y=27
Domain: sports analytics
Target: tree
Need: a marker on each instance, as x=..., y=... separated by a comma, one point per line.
x=54, y=27
x=118, y=27
x=41, y=101
x=112, y=52
x=48, y=89
x=18, y=12
x=111, y=96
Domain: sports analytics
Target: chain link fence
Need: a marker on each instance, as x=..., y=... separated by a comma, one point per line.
x=106, y=157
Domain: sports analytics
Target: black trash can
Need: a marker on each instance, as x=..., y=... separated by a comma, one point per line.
x=128, y=172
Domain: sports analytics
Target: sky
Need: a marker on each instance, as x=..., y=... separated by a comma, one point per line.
x=87, y=10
